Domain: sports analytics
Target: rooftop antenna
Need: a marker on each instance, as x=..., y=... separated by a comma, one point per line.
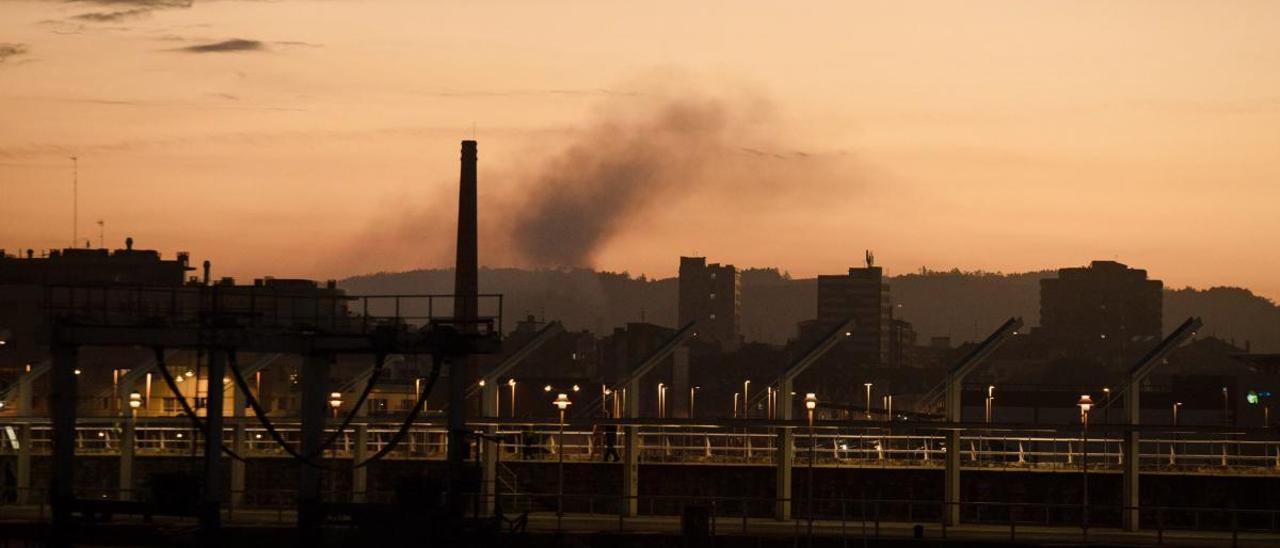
x=102, y=234
x=75, y=200
x=871, y=258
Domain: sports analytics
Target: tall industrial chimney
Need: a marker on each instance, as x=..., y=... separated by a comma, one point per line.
x=466, y=270
x=465, y=311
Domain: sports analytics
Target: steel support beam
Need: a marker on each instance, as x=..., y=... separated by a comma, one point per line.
x=785, y=456
x=631, y=471
x=631, y=451
x=951, y=480
x=24, y=464
x=315, y=408
x=459, y=442
x=489, y=447
x=360, y=475
x=1131, y=491
x=128, y=436
x=211, y=514
x=62, y=406
x=235, y=498
x=951, y=469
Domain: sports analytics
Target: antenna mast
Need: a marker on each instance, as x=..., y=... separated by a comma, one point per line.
x=102, y=234
x=75, y=200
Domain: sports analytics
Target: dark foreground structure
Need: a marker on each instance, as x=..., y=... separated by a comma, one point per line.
x=787, y=468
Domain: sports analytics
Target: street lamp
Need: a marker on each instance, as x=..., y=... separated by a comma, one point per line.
x=810, y=404
x=1176, y=405
x=735, y=404
x=335, y=401
x=562, y=403
x=1106, y=407
x=135, y=400
x=693, y=390
x=1226, y=412
x=662, y=403
x=770, y=400
x=868, y=386
x=746, y=386
x=1085, y=404
x=991, y=402
x=512, y=384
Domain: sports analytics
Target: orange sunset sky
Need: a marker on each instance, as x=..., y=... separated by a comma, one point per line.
x=320, y=138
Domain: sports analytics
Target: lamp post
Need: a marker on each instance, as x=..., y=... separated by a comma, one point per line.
x=1226, y=412
x=135, y=402
x=746, y=387
x=604, y=400
x=662, y=401
x=1085, y=403
x=605, y=392
x=512, y=384
x=562, y=403
x=693, y=390
x=810, y=404
x=1174, y=444
x=735, y=404
x=868, y=409
x=1106, y=407
x=991, y=402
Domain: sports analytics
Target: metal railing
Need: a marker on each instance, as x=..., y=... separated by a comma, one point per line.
x=833, y=447
x=259, y=306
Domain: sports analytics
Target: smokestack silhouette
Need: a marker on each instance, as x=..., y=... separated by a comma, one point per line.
x=466, y=269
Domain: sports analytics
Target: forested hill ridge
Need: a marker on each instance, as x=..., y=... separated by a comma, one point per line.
x=962, y=305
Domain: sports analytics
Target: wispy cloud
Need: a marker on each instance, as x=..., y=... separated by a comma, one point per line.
x=11, y=50
x=226, y=46
x=113, y=16
x=153, y=4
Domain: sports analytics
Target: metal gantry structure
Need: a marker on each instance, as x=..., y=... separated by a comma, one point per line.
x=1133, y=412
x=222, y=329
x=836, y=444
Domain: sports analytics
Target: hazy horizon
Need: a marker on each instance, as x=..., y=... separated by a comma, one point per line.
x=320, y=139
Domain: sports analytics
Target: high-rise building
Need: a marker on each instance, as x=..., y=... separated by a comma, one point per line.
x=862, y=295
x=711, y=294
x=1107, y=310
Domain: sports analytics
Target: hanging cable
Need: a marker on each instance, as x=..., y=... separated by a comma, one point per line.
x=186, y=407
x=408, y=421
x=378, y=361
x=262, y=415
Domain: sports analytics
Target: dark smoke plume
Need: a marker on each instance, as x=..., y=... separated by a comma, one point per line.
x=610, y=174
x=643, y=160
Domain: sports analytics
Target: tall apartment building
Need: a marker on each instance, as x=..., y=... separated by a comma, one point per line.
x=1105, y=310
x=862, y=295
x=711, y=294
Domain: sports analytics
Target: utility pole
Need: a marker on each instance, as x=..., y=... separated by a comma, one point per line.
x=75, y=200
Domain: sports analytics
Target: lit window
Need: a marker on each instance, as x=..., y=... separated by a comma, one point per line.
x=713, y=316
x=713, y=296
